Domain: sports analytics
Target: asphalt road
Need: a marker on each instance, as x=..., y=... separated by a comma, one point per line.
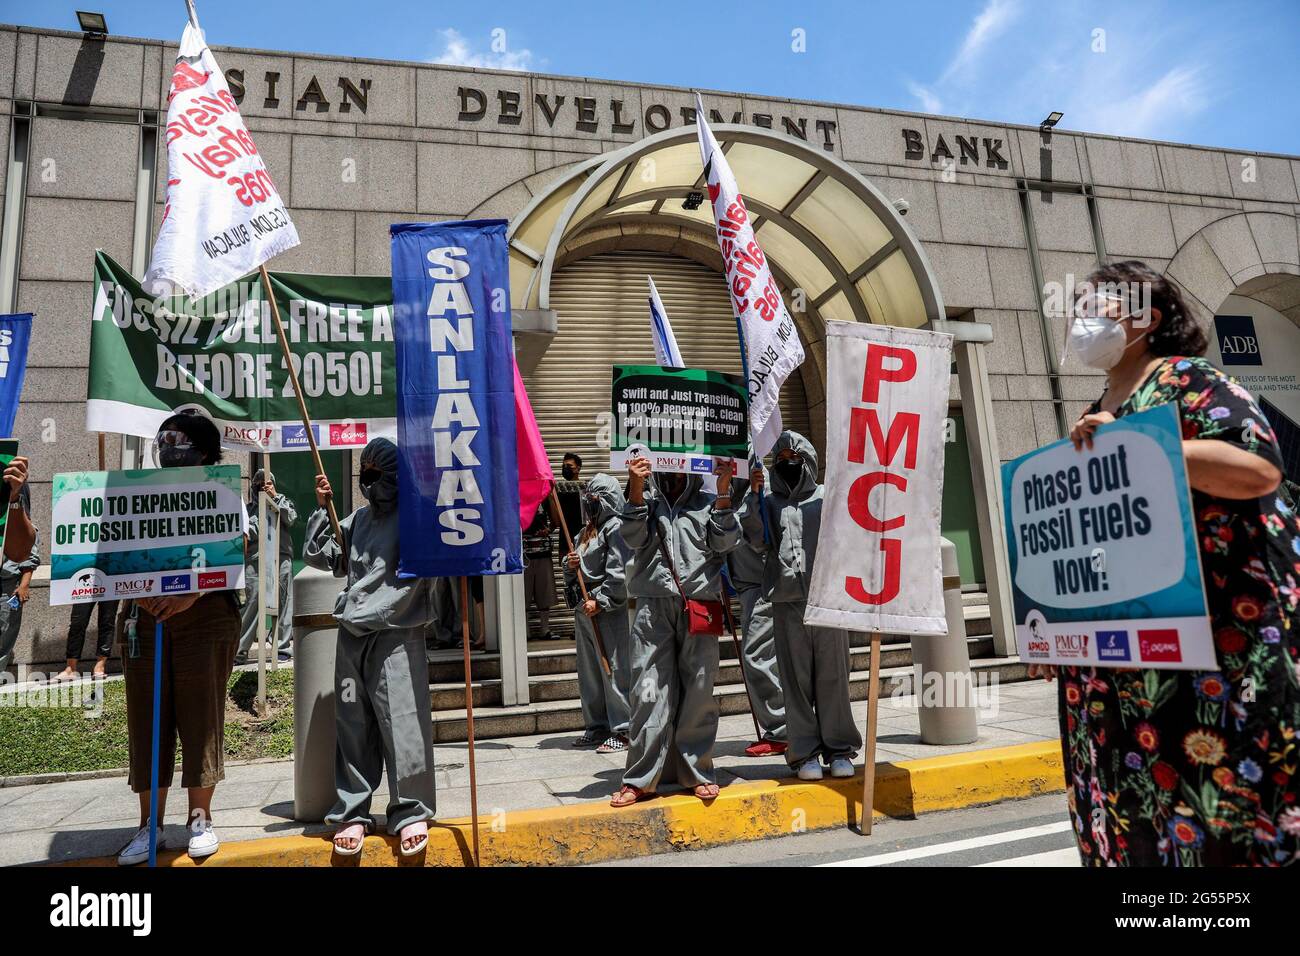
x=1034, y=832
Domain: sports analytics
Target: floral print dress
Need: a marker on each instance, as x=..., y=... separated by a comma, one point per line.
x=1199, y=768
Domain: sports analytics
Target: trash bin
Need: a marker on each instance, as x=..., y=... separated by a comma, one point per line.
x=314, y=633
x=945, y=690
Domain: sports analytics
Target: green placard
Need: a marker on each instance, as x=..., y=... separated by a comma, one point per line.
x=685, y=420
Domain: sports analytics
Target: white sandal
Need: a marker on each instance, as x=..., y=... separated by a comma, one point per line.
x=348, y=833
x=405, y=833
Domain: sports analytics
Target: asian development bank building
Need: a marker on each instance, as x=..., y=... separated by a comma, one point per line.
x=866, y=215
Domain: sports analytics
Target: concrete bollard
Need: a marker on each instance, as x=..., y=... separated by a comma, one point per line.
x=314, y=635
x=945, y=689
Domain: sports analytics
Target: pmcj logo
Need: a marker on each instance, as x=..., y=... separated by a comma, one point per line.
x=1113, y=646
x=1238, y=343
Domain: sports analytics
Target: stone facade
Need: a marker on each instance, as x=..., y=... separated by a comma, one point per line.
x=357, y=144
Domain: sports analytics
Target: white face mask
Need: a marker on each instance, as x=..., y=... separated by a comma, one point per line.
x=1099, y=341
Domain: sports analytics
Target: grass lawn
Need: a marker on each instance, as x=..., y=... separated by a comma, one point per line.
x=49, y=739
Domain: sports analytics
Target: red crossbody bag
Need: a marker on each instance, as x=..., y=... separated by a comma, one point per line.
x=703, y=617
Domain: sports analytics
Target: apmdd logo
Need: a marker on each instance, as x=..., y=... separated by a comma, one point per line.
x=1238, y=344
x=212, y=579
x=1112, y=646
x=295, y=436
x=88, y=585
x=174, y=582
x=1160, y=645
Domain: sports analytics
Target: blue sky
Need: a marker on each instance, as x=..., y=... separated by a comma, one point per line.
x=1214, y=73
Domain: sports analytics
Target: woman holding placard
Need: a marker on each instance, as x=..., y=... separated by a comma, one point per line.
x=201, y=633
x=1191, y=768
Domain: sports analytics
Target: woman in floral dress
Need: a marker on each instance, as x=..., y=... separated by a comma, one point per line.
x=1191, y=768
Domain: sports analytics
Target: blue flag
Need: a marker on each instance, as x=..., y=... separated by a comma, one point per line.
x=458, y=478
x=15, y=334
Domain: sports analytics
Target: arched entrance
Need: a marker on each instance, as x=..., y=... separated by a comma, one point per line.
x=1242, y=272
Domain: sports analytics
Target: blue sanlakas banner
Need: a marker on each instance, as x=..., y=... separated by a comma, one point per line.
x=458, y=482
x=15, y=334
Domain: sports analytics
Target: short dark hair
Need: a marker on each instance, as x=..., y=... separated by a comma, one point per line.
x=200, y=430
x=573, y=457
x=1178, y=332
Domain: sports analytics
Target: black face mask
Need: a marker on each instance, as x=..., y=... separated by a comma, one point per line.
x=791, y=471
x=170, y=456
x=568, y=472
x=672, y=486
x=369, y=476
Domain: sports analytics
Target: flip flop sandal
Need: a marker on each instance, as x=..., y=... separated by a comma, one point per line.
x=614, y=744
x=627, y=796
x=348, y=832
x=588, y=739
x=420, y=844
x=703, y=791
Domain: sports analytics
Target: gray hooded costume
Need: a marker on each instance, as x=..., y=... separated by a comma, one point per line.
x=284, y=621
x=673, y=708
x=381, y=679
x=758, y=642
x=814, y=661
x=603, y=558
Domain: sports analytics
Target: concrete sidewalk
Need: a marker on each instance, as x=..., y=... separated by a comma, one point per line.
x=88, y=818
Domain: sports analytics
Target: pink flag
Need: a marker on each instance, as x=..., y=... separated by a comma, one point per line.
x=535, y=475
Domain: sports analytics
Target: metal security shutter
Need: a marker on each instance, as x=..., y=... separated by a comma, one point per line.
x=604, y=320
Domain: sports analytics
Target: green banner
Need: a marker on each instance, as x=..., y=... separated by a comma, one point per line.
x=220, y=355
x=684, y=420
x=145, y=533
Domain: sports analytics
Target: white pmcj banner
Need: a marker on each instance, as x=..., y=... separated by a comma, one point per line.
x=224, y=216
x=878, y=563
x=772, y=346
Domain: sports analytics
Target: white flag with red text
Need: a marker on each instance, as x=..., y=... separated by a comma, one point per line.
x=878, y=566
x=224, y=216
x=768, y=334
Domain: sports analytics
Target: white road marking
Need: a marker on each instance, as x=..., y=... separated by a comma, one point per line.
x=956, y=846
x=1066, y=857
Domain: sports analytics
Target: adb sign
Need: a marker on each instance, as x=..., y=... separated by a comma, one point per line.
x=1238, y=343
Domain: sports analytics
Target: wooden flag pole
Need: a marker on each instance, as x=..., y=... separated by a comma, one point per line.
x=740, y=659
x=102, y=454
x=297, y=393
x=582, y=585
x=469, y=712
x=869, y=761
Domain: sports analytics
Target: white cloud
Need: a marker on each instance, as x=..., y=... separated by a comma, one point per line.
x=988, y=25
x=457, y=51
x=1180, y=93
x=926, y=97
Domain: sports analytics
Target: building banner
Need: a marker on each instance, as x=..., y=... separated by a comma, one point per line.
x=1105, y=568
x=150, y=533
x=458, y=475
x=772, y=349
x=686, y=421
x=15, y=335
x=149, y=358
x=878, y=566
x=224, y=217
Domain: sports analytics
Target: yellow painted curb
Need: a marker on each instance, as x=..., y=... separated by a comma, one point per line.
x=593, y=832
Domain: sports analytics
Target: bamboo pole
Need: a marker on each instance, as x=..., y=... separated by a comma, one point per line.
x=297, y=393
x=582, y=585
x=465, y=609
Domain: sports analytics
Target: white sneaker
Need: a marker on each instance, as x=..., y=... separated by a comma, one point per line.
x=842, y=767
x=203, y=842
x=810, y=769
x=137, y=851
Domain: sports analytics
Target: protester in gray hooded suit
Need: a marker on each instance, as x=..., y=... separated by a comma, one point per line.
x=284, y=621
x=601, y=555
x=814, y=661
x=381, y=678
x=758, y=646
x=674, y=713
